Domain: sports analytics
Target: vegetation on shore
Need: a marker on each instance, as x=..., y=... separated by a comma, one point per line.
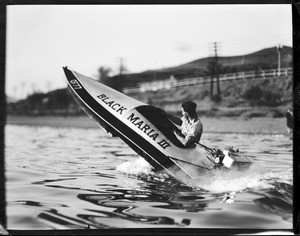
x=247, y=98
x=253, y=98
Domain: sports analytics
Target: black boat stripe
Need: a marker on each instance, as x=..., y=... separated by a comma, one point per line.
x=91, y=109
x=88, y=96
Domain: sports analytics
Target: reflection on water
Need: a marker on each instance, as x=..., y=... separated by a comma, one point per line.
x=82, y=178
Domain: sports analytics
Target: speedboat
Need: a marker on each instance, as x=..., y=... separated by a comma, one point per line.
x=146, y=129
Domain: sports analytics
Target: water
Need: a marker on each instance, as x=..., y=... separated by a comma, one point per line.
x=62, y=178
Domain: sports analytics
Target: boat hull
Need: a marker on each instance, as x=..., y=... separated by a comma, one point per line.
x=143, y=128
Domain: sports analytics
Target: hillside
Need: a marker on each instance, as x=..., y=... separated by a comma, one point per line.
x=247, y=98
x=263, y=59
x=268, y=97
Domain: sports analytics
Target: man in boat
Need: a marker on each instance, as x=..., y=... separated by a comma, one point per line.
x=191, y=127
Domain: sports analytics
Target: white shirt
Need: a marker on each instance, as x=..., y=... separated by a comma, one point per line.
x=192, y=130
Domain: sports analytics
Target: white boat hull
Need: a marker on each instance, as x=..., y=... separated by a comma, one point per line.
x=144, y=128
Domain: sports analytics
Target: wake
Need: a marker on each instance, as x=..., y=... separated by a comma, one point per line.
x=214, y=181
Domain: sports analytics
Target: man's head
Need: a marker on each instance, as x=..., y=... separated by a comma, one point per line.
x=189, y=108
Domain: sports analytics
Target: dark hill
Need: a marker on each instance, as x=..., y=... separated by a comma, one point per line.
x=263, y=59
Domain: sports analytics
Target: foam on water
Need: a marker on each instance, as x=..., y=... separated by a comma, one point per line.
x=238, y=181
x=135, y=167
x=226, y=183
x=216, y=181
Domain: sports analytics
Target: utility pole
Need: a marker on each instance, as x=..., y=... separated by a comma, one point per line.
x=121, y=66
x=120, y=78
x=23, y=92
x=214, y=68
x=33, y=88
x=48, y=86
x=279, y=48
x=217, y=68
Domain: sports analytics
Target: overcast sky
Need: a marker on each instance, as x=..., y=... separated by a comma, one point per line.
x=42, y=39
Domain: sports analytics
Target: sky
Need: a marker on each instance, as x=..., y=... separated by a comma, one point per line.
x=41, y=39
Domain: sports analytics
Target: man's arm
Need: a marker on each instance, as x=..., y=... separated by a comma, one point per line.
x=186, y=141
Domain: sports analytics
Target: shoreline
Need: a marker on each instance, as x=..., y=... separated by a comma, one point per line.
x=262, y=125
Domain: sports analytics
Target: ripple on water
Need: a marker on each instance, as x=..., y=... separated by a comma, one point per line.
x=58, y=178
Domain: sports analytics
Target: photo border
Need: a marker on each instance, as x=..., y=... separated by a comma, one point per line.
x=165, y=231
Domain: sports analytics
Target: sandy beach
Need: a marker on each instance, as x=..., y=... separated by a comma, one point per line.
x=216, y=125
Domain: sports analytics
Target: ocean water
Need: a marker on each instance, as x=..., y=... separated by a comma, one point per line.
x=74, y=178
